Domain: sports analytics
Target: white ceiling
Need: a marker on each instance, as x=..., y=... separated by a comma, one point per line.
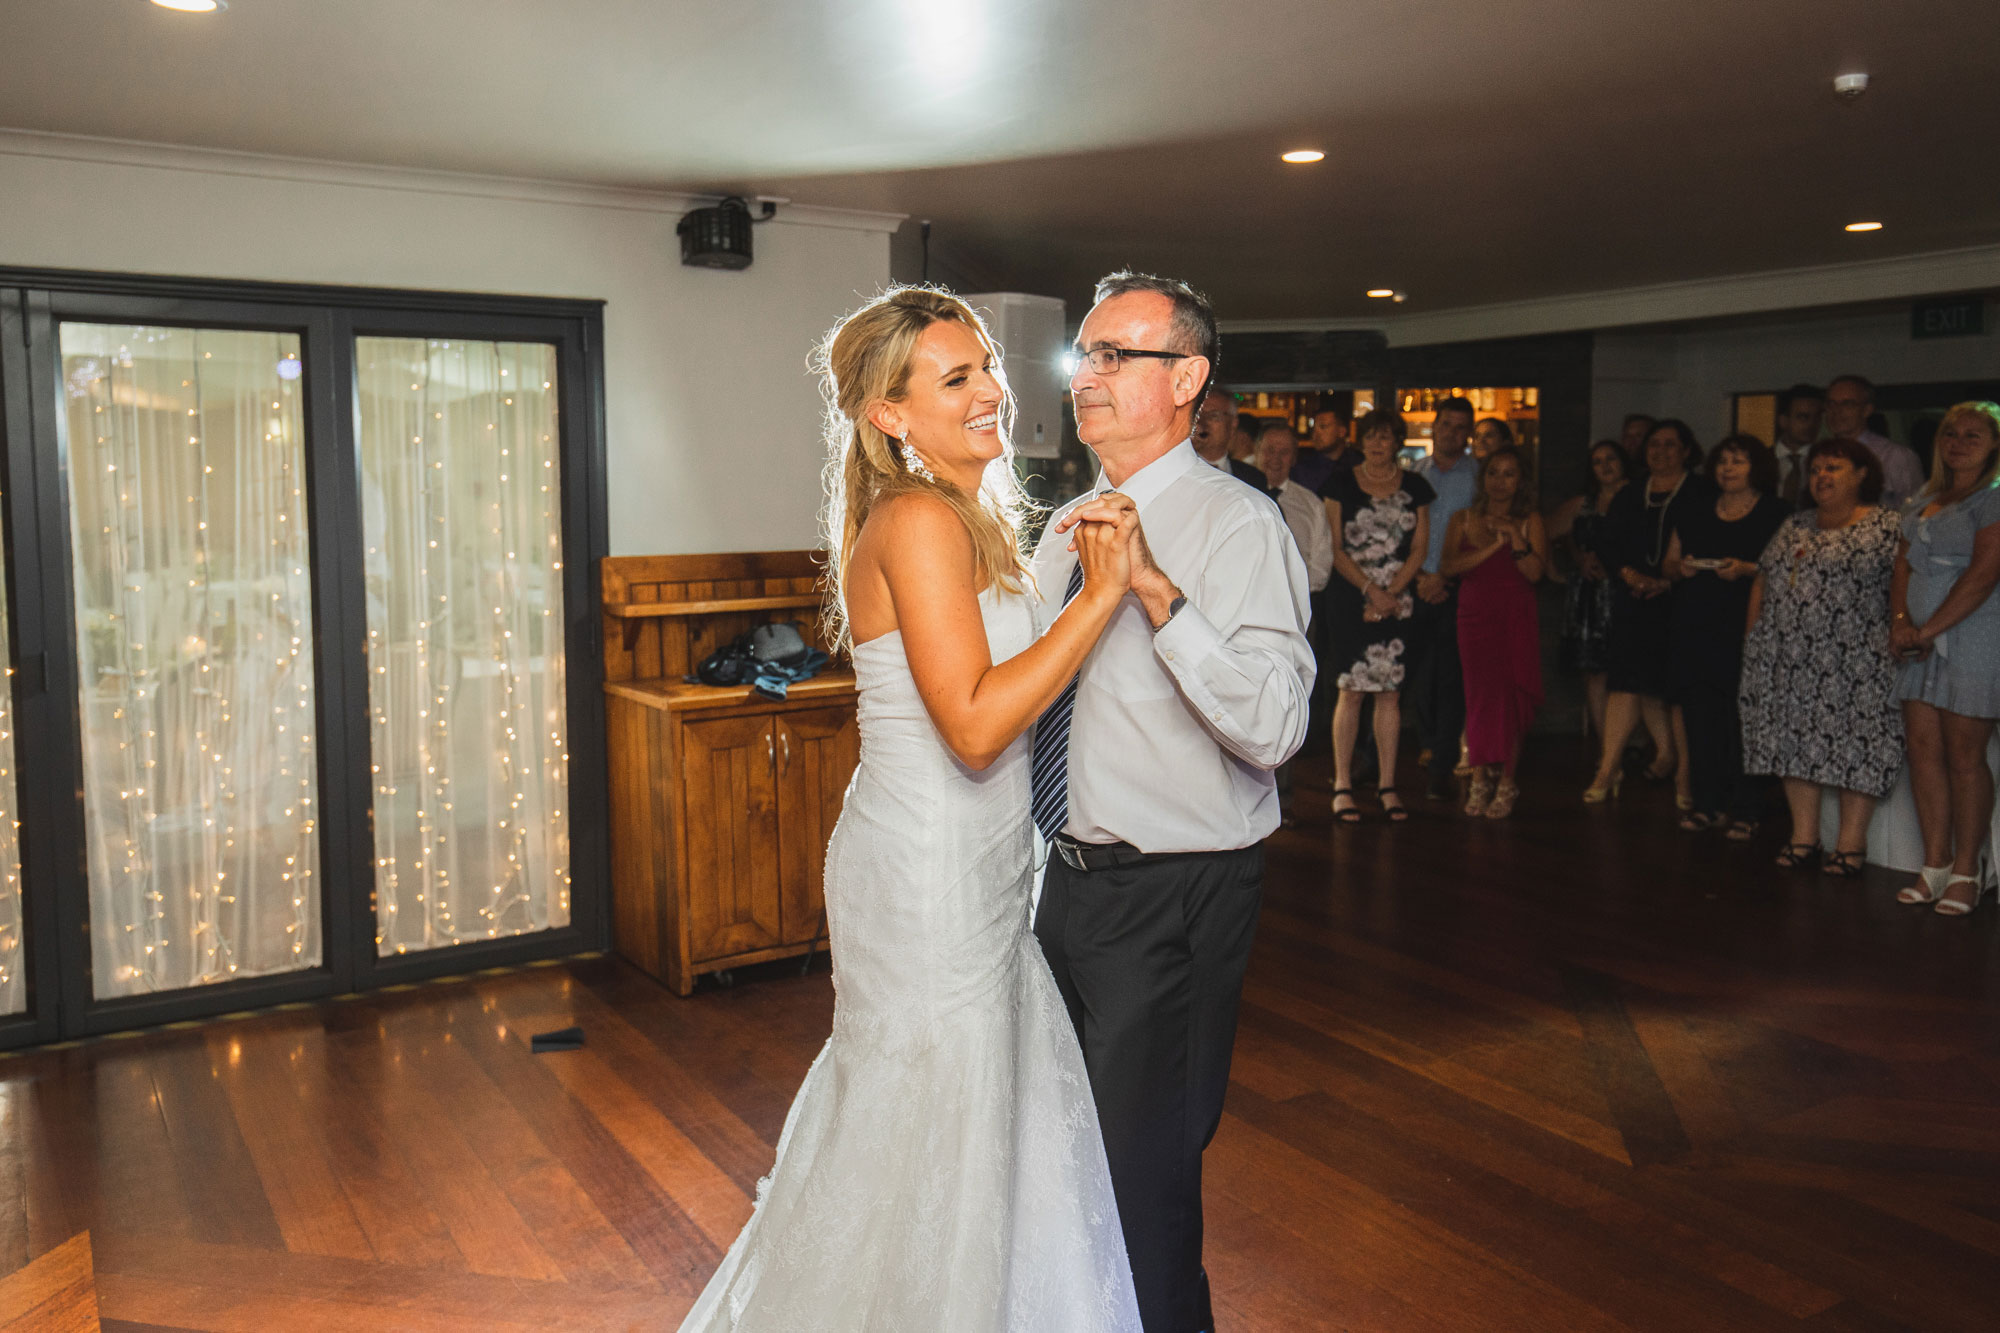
x=1477, y=150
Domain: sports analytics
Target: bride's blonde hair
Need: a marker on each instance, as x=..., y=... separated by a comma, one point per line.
x=864, y=360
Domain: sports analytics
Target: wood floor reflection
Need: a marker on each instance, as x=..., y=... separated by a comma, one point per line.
x=1574, y=1071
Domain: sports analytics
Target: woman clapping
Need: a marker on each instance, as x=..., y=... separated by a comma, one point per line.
x=1497, y=549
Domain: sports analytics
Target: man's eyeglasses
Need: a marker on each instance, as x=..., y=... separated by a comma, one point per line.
x=1104, y=360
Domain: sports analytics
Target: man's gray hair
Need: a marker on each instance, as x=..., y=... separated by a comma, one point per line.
x=1193, y=327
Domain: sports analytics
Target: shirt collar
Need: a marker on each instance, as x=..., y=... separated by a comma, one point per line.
x=1146, y=485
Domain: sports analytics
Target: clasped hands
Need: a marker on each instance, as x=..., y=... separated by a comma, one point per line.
x=1111, y=546
x=1907, y=642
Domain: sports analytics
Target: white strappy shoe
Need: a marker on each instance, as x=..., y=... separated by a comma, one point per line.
x=1952, y=906
x=1931, y=881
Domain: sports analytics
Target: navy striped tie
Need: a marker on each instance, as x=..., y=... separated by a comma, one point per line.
x=1049, y=778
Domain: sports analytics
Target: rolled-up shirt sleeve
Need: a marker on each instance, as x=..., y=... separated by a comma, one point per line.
x=1238, y=649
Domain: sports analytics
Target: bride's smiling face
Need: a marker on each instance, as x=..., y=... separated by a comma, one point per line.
x=951, y=404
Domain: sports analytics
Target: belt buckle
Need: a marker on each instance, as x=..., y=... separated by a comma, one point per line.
x=1071, y=853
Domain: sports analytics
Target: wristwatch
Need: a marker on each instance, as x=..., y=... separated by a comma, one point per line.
x=1173, y=609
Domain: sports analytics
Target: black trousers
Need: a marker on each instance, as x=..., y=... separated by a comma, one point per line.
x=1435, y=681
x=1150, y=959
x=1715, y=752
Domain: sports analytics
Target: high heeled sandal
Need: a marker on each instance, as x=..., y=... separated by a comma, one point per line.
x=1694, y=821
x=1798, y=855
x=1842, y=865
x=1608, y=792
x=1352, y=814
x=1504, y=796
x=1929, y=886
x=1396, y=813
x=1740, y=830
x=1479, y=793
x=1954, y=907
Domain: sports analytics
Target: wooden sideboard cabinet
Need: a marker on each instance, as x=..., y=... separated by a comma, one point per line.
x=722, y=801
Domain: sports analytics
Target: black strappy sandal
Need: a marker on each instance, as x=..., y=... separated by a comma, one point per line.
x=1352, y=814
x=1396, y=813
x=1798, y=855
x=1842, y=865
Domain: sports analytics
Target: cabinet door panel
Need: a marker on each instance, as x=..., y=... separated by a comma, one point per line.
x=732, y=836
x=817, y=751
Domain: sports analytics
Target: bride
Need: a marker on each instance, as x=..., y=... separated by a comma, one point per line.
x=941, y=1168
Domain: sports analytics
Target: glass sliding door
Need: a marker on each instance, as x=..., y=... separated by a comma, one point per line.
x=196, y=677
x=13, y=958
x=462, y=551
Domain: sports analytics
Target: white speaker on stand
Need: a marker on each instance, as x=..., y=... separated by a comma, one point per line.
x=1029, y=330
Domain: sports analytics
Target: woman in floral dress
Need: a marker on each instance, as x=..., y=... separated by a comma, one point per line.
x=1381, y=516
x=1818, y=689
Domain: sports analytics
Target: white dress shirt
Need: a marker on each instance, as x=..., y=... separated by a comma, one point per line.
x=1902, y=471
x=1175, y=734
x=1305, y=515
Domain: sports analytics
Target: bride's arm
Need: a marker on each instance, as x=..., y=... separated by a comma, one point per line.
x=978, y=706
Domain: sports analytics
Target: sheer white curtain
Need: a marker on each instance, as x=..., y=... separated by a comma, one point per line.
x=186, y=482
x=13, y=984
x=463, y=543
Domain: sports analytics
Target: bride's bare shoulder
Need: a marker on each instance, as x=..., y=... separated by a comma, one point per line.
x=914, y=526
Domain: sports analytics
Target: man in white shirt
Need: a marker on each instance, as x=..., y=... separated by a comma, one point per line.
x=1849, y=401
x=1154, y=783
x=1304, y=512
x=1797, y=429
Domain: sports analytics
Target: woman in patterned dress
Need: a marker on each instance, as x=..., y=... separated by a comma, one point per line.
x=1381, y=516
x=1818, y=692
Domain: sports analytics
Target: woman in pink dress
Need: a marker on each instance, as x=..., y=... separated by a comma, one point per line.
x=1496, y=548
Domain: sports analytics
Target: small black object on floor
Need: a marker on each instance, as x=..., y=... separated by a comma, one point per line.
x=562, y=1039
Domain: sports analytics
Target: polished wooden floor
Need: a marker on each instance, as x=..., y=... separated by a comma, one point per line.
x=1575, y=1071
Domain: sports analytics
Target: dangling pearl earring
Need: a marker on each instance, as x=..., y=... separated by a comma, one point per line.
x=913, y=462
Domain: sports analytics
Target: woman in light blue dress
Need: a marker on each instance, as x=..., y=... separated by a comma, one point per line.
x=1946, y=625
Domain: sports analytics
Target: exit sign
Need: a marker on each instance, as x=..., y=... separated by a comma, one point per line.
x=1948, y=317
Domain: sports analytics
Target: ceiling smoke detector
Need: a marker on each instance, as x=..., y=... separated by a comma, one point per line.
x=1848, y=87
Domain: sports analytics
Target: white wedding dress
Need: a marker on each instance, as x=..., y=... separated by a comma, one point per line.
x=941, y=1169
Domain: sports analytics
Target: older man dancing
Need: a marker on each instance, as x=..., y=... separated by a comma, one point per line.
x=1153, y=775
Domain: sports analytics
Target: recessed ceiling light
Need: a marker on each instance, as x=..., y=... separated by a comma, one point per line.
x=1303, y=155
x=193, y=6
x=1864, y=226
x=1381, y=291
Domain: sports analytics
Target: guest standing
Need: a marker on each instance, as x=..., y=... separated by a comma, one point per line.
x=1712, y=559
x=1215, y=431
x=1324, y=452
x=1799, y=411
x=1586, y=588
x=1632, y=542
x=1818, y=692
x=1850, y=402
x=1488, y=435
x=1632, y=435
x=1380, y=515
x=1437, y=689
x=1497, y=549
x=1945, y=621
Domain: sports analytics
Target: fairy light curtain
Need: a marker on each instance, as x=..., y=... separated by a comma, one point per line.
x=195, y=655
x=463, y=546
x=13, y=984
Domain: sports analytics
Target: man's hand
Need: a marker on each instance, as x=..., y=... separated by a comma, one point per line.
x=1155, y=591
x=1431, y=587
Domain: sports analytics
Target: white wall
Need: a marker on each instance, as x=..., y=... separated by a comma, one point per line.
x=712, y=431
x=1692, y=373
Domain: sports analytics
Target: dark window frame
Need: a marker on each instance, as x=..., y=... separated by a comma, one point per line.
x=33, y=305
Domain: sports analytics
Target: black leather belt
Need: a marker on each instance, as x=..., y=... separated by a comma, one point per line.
x=1088, y=856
